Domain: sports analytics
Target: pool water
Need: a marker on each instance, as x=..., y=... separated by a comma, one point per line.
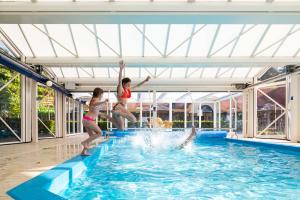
x=149, y=166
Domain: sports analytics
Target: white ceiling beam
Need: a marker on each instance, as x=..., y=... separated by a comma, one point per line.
x=143, y=40
x=180, y=82
x=214, y=40
x=208, y=88
x=73, y=40
x=190, y=41
x=50, y=40
x=153, y=13
x=165, y=62
x=167, y=40
x=97, y=42
x=120, y=41
x=197, y=6
x=262, y=37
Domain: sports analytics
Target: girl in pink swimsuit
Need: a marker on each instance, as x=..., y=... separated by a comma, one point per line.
x=88, y=120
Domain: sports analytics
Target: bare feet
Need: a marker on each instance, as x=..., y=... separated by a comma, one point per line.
x=84, y=152
x=84, y=144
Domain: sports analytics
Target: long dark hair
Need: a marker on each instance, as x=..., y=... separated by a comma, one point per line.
x=125, y=80
x=97, y=92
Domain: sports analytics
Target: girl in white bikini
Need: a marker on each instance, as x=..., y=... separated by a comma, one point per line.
x=88, y=120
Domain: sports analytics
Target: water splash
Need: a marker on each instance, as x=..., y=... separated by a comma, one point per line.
x=158, y=140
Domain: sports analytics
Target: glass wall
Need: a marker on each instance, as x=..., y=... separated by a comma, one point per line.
x=163, y=115
x=271, y=111
x=78, y=118
x=225, y=113
x=178, y=115
x=146, y=115
x=46, y=111
x=10, y=106
x=73, y=115
x=134, y=108
x=238, y=104
x=207, y=118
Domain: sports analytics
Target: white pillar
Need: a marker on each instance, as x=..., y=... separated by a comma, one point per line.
x=235, y=114
x=141, y=114
x=215, y=115
x=58, y=114
x=185, y=115
x=154, y=108
x=34, y=113
x=294, y=109
x=200, y=115
x=219, y=106
x=64, y=116
x=69, y=115
x=170, y=111
x=80, y=118
x=244, y=113
x=73, y=124
x=26, y=106
x=230, y=113
x=249, y=121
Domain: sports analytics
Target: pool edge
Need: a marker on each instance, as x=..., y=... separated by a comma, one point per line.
x=46, y=184
x=287, y=146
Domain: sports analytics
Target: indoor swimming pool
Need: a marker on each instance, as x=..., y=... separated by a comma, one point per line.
x=149, y=165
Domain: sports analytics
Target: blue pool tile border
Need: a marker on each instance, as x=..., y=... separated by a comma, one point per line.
x=289, y=147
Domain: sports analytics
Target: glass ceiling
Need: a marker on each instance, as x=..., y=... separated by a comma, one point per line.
x=162, y=40
x=155, y=41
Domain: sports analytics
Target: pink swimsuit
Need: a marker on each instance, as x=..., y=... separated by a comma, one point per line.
x=88, y=118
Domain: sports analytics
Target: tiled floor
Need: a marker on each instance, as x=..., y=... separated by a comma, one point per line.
x=20, y=162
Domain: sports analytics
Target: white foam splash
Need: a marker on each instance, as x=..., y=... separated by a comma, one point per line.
x=159, y=140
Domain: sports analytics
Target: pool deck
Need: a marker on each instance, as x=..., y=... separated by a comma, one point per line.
x=21, y=162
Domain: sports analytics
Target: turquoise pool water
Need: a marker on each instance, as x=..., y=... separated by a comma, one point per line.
x=149, y=166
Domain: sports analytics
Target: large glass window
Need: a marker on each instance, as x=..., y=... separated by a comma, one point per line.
x=102, y=122
x=271, y=111
x=71, y=111
x=238, y=113
x=146, y=115
x=77, y=120
x=207, y=118
x=178, y=115
x=163, y=115
x=10, y=106
x=134, y=108
x=225, y=113
x=46, y=111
